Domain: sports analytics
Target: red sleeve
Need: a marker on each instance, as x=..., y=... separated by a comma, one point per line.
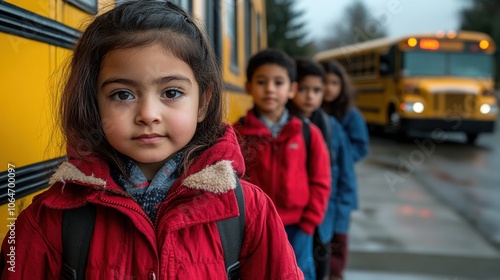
x=319, y=173
x=26, y=253
x=266, y=252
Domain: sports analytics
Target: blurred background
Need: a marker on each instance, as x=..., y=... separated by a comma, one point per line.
x=430, y=206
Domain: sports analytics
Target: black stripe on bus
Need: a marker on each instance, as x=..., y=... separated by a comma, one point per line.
x=23, y=23
x=234, y=88
x=370, y=90
x=27, y=179
x=368, y=109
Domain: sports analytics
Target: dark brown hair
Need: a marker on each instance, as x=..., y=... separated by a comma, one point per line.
x=134, y=24
x=271, y=56
x=304, y=68
x=341, y=105
x=307, y=67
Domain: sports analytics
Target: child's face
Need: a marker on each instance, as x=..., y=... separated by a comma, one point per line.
x=333, y=86
x=271, y=88
x=148, y=102
x=309, y=95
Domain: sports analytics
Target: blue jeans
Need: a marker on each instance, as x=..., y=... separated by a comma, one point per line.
x=302, y=244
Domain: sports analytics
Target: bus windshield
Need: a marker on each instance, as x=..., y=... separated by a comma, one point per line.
x=421, y=63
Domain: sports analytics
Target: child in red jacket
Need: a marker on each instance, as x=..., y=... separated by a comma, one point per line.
x=296, y=176
x=147, y=149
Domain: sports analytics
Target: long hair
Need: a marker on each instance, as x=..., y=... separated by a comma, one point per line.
x=135, y=24
x=341, y=105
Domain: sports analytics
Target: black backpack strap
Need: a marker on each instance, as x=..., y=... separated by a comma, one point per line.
x=306, y=132
x=77, y=231
x=231, y=235
x=78, y=227
x=328, y=137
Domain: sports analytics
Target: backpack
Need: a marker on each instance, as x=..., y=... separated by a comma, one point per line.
x=321, y=120
x=78, y=227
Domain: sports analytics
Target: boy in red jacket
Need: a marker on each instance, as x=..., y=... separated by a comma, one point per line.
x=294, y=174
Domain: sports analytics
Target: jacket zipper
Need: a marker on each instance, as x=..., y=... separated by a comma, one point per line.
x=169, y=196
x=131, y=208
x=165, y=202
x=275, y=164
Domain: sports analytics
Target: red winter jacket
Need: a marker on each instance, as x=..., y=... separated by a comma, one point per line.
x=278, y=166
x=185, y=244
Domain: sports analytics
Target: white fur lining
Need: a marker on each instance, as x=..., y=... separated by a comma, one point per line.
x=69, y=172
x=217, y=178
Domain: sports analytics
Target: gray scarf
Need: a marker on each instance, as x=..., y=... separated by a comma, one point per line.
x=149, y=194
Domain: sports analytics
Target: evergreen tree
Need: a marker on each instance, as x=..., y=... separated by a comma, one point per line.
x=285, y=29
x=356, y=26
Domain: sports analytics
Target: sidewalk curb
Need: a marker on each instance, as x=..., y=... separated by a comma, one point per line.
x=463, y=266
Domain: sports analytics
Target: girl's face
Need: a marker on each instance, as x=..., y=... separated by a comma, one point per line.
x=333, y=86
x=149, y=104
x=310, y=95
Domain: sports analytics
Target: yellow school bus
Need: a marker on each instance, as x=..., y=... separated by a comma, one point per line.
x=36, y=38
x=430, y=82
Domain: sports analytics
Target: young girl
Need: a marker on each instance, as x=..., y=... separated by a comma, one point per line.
x=142, y=116
x=337, y=102
x=307, y=104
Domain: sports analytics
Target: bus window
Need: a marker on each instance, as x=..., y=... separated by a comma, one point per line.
x=424, y=64
x=388, y=62
x=186, y=4
x=89, y=6
x=212, y=24
x=448, y=64
x=259, y=32
x=475, y=65
x=232, y=32
x=385, y=64
x=248, y=29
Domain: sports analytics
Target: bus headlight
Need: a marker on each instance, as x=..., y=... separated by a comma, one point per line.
x=413, y=107
x=418, y=107
x=488, y=109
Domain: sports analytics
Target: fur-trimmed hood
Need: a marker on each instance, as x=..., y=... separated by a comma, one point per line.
x=213, y=171
x=216, y=178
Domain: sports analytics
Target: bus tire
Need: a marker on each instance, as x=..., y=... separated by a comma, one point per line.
x=375, y=129
x=394, y=121
x=471, y=137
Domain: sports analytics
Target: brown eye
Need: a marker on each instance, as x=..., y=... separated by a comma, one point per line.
x=172, y=93
x=122, y=95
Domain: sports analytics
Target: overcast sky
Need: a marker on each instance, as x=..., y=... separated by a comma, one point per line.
x=400, y=17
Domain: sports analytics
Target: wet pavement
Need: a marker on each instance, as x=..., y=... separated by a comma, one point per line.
x=471, y=184
x=408, y=226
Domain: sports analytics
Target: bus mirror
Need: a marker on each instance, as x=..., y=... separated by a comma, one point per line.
x=384, y=58
x=384, y=68
x=385, y=63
